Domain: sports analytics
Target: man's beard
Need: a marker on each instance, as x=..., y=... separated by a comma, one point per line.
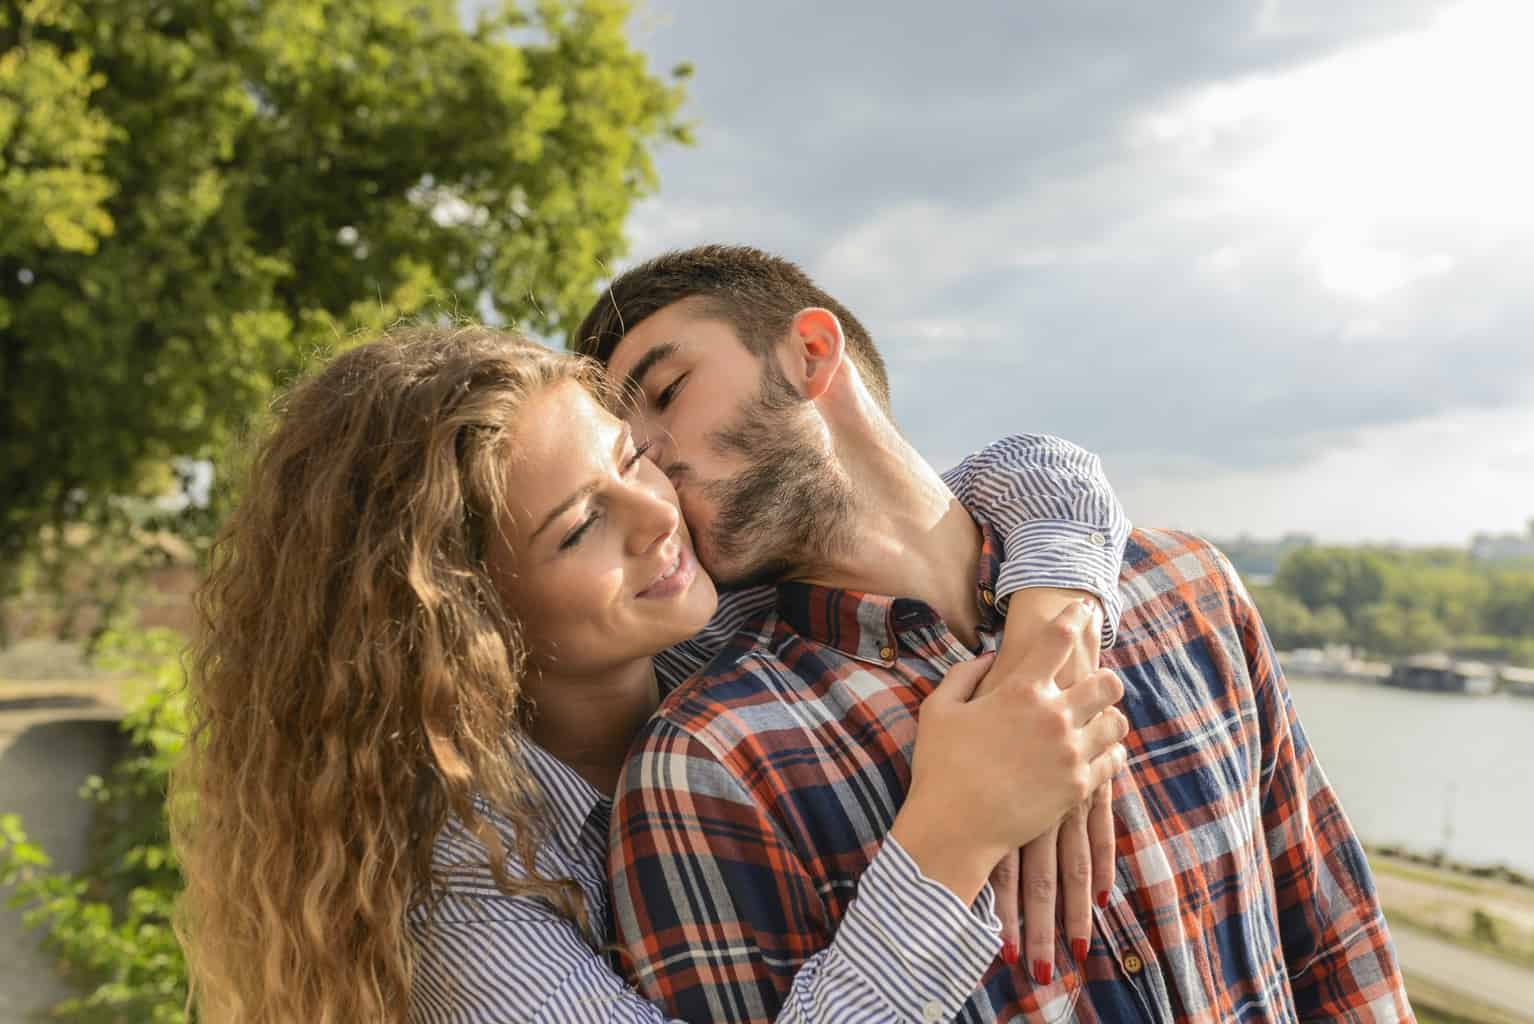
x=791, y=507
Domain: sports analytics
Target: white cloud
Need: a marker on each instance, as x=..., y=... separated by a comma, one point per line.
x=1346, y=263
x=1421, y=138
x=1438, y=480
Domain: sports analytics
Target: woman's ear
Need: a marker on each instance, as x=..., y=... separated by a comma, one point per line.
x=816, y=348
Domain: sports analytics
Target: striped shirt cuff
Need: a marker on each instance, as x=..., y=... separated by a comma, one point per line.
x=913, y=942
x=1069, y=555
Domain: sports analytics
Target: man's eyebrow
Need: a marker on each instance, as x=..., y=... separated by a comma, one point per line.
x=633, y=384
x=583, y=491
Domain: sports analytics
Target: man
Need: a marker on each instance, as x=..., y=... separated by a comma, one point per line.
x=754, y=798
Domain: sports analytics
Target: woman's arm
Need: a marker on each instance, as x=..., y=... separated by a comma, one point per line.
x=1064, y=535
x=1061, y=524
x=906, y=950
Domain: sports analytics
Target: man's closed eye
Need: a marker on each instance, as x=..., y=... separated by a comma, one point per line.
x=669, y=392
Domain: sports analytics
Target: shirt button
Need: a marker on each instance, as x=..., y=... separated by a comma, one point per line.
x=1097, y=539
x=988, y=597
x=887, y=653
x=932, y=1012
x=1133, y=964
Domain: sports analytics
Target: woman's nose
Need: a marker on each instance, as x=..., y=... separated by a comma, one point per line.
x=655, y=519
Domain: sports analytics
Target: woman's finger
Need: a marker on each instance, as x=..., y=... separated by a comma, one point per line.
x=1103, y=843
x=1094, y=694
x=1075, y=857
x=1004, y=883
x=1040, y=877
x=958, y=686
x=1103, y=732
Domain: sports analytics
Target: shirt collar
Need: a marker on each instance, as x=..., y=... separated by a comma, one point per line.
x=867, y=626
x=578, y=809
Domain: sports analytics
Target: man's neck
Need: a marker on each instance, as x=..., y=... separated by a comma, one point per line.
x=910, y=536
x=589, y=722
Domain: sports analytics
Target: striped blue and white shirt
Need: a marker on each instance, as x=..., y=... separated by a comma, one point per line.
x=907, y=948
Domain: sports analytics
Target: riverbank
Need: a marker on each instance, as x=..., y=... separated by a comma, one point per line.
x=1449, y=869
x=1465, y=937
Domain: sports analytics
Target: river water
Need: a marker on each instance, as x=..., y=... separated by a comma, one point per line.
x=1429, y=772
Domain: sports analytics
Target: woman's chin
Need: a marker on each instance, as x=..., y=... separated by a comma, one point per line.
x=692, y=612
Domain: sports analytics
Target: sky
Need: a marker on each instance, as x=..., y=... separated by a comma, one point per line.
x=1273, y=261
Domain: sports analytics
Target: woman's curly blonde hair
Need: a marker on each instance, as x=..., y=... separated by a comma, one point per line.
x=356, y=679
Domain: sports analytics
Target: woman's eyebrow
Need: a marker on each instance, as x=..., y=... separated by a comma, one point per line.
x=587, y=489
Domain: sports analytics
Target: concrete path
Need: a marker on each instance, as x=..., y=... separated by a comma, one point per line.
x=1483, y=979
x=52, y=736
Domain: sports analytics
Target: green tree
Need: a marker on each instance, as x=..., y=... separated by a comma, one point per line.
x=196, y=195
x=1348, y=579
x=1510, y=605
x=1292, y=625
x=1391, y=629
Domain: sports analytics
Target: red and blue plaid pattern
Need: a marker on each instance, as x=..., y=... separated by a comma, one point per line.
x=762, y=788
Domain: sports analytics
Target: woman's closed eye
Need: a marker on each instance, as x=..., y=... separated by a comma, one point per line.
x=595, y=514
x=574, y=536
x=639, y=453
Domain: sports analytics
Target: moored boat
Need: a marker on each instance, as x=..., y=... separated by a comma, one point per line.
x=1438, y=673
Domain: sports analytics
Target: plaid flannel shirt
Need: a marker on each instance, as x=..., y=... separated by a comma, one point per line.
x=760, y=790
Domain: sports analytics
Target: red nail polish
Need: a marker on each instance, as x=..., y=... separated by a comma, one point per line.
x=1079, y=950
x=1102, y=899
x=1009, y=953
x=1043, y=971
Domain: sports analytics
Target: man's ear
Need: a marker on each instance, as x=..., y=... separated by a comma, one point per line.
x=815, y=348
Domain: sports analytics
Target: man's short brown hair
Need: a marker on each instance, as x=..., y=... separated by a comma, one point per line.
x=754, y=292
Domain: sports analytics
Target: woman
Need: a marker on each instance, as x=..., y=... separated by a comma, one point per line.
x=373, y=792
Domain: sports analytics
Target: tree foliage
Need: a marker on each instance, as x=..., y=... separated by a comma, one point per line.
x=197, y=194
x=1396, y=602
x=1343, y=578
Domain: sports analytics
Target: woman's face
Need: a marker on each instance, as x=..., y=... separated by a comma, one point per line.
x=597, y=565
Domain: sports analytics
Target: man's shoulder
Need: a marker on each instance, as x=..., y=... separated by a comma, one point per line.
x=1160, y=563
x=1176, y=586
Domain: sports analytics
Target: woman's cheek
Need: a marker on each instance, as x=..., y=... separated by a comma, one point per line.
x=591, y=583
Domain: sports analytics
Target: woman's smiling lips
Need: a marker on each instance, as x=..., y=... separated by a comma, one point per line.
x=675, y=578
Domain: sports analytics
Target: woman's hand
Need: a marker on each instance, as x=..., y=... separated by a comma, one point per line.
x=992, y=771
x=1072, y=865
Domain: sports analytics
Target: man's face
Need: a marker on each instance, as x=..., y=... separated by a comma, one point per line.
x=746, y=452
